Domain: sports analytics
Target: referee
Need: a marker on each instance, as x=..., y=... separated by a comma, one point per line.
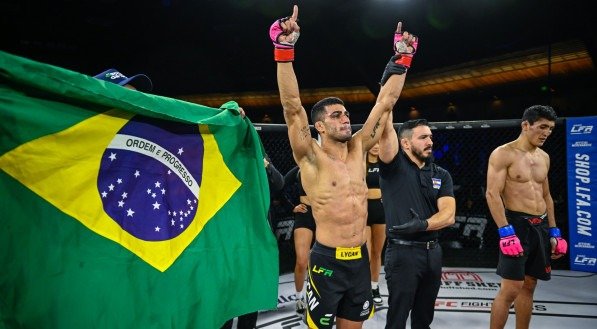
x=418, y=200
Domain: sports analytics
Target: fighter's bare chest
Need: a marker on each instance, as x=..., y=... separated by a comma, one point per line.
x=338, y=172
x=528, y=168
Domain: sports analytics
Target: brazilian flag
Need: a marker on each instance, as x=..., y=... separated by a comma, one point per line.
x=120, y=209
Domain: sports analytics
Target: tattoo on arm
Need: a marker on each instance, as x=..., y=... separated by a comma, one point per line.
x=305, y=133
x=375, y=129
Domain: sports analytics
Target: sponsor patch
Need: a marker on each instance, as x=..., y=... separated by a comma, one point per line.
x=348, y=253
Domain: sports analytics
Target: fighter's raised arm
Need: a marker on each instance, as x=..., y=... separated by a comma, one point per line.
x=392, y=81
x=388, y=143
x=284, y=34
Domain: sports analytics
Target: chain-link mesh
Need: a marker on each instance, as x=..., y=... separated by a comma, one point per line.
x=463, y=149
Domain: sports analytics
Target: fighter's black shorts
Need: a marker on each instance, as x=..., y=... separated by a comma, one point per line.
x=533, y=233
x=339, y=284
x=375, y=213
x=304, y=219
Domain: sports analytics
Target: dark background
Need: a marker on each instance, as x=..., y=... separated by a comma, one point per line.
x=222, y=46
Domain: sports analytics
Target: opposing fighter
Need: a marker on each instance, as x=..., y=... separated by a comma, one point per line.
x=521, y=205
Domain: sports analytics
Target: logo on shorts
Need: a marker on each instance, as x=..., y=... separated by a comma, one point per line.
x=535, y=220
x=366, y=308
x=437, y=183
x=325, y=320
x=322, y=270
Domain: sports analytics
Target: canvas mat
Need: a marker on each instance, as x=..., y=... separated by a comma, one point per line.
x=464, y=301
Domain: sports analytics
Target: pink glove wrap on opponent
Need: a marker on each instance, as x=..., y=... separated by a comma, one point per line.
x=561, y=244
x=509, y=242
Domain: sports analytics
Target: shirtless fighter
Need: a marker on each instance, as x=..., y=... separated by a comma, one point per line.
x=521, y=205
x=333, y=176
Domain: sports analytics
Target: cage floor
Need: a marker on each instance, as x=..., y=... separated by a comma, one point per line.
x=569, y=300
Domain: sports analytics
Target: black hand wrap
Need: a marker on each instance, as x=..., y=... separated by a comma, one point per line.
x=392, y=68
x=416, y=224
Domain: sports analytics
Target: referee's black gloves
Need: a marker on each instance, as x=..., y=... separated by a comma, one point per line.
x=416, y=224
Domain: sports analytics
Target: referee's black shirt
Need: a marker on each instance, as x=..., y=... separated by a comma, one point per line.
x=404, y=186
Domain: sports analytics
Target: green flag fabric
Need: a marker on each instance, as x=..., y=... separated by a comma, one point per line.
x=121, y=209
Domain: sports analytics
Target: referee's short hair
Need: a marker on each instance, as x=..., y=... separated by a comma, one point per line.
x=406, y=129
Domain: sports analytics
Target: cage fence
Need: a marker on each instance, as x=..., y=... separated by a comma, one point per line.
x=463, y=148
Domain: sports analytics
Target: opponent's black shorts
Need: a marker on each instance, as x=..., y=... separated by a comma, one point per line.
x=339, y=284
x=304, y=219
x=533, y=233
x=375, y=214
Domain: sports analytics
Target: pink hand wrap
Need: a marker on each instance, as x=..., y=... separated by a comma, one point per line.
x=401, y=49
x=283, y=51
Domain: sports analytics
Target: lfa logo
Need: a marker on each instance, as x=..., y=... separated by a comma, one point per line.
x=579, y=128
x=583, y=260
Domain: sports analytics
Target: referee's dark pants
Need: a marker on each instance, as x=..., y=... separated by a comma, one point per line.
x=413, y=273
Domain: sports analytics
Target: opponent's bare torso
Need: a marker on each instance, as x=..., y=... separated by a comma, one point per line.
x=526, y=175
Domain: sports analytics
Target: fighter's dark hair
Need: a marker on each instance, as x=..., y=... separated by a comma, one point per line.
x=318, y=110
x=536, y=112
